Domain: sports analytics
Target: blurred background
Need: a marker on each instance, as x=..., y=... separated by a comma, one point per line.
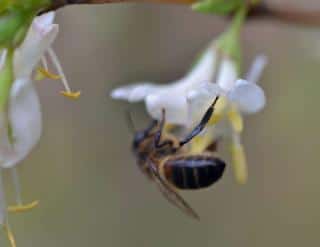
x=90, y=190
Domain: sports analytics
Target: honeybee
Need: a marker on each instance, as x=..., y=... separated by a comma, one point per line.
x=165, y=160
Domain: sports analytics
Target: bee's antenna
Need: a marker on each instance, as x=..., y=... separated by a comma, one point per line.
x=130, y=122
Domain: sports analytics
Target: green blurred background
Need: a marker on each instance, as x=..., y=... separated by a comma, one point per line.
x=90, y=190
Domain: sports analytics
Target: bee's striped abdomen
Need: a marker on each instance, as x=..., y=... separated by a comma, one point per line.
x=193, y=172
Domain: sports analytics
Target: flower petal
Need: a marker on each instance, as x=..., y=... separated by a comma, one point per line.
x=227, y=74
x=44, y=21
x=174, y=104
x=199, y=99
x=134, y=93
x=32, y=49
x=204, y=69
x=24, y=116
x=248, y=97
x=256, y=69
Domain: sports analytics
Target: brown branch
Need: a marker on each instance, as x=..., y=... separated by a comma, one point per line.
x=283, y=12
x=62, y=3
x=286, y=13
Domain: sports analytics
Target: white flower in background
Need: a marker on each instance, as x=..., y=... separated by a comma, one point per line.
x=23, y=116
x=21, y=122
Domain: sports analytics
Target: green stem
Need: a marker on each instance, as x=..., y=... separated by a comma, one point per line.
x=6, y=79
x=229, y=42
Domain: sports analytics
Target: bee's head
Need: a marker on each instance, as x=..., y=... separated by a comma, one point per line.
x=138, y=139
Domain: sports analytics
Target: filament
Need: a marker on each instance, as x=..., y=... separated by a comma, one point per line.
x=10, y=235
x=16, y=184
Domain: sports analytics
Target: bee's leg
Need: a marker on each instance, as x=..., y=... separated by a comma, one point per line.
x=131, y=125
x=151, y=127
x=157, y=137
x=205, y=119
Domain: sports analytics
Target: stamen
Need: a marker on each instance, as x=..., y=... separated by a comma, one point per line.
x=200, y=143
x=9, y=235
x=44, y=73
x=239, y=163
x=215, y=119
x=71, y=95
x=16, y=183
x=67, y=92
x=235, y=119
x=44, y=62
x=219, y=111
x=20, y=208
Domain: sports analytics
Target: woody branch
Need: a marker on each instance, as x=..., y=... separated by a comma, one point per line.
x=282, y=12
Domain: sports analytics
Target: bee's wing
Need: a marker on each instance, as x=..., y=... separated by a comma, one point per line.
x=171, y=195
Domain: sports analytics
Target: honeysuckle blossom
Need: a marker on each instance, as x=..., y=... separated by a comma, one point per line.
x=172, y=97
x=21, y=121
x=227, y=123
x=187, y=99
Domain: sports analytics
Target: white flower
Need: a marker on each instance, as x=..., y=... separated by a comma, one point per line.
x=21, y=122
x=187, y=99
x=227, y=122
x=172, y=97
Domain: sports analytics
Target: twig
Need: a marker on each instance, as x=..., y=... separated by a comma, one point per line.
x=282, y=12
x=62, y=3
x=286, y=13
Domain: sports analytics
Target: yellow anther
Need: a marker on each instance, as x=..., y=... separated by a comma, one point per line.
x=239, y=163
x=23, y=208
x=218, y=111
x=198, y=144
x=221, y=105
x=43, y=73
x=215, y=118
x=201, y=142
x=10, y=235
x=71, y=95
x=235, y=120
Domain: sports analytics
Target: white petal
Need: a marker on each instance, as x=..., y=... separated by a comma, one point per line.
x=25, y=121
x=205, y=89
x=174, y=104
x=28, y=55
x=3, y=55
x=44, y=21
x=135, y=92
x=199, y=99
x=204, y=69
x=248, y=97
x=256, y=69
x=227, y=74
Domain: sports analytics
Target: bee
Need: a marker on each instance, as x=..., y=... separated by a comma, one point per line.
x=166, y=161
